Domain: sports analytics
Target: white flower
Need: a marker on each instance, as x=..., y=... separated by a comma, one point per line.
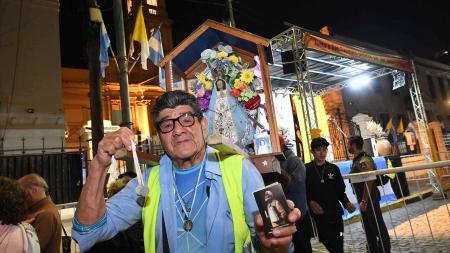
x=208, y=74
x=227, y=49
x=375, y=128
x=208, y=54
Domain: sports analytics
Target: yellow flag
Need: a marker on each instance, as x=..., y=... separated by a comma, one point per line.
x=400, y=128
x=389, y=125
x=389, y=165
x=140, y=35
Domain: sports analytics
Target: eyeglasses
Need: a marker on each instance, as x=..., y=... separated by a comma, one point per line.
x=185, y=120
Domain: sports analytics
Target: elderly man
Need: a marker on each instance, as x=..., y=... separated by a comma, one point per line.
x=42, y=213
x=200, y=200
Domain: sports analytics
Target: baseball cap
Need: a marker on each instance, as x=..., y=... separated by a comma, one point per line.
x=319, y=142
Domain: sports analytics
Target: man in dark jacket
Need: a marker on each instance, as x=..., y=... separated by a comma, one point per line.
x=325, y=188
x=295, y=190
x=369, y=199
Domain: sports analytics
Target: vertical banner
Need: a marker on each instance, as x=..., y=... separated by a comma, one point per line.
x=297, y=135
x=303, y=149
x=285, y=121
x=302, y=125
x=322, y=124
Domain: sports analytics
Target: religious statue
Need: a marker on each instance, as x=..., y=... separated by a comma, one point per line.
x=223, y=89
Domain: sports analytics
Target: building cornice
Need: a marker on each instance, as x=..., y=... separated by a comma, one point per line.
x=431, y=64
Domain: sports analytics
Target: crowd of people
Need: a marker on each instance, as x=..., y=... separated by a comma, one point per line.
x=196, y=200
x=29, y=220
x=320, y=190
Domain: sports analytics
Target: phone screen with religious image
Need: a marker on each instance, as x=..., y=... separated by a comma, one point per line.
x=273, y=207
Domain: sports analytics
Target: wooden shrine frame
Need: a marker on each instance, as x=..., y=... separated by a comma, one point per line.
x=261, y=45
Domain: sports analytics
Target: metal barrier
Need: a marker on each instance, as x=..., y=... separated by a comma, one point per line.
x=36, y=145
x=63, y=171
x=415, y=223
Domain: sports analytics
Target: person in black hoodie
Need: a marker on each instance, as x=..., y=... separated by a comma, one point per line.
x=294, y=187
x=325, y=191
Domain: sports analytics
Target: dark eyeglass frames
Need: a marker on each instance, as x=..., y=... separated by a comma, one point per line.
x=185, y=120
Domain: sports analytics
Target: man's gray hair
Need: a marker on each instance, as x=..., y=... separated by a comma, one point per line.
x=173, y=99
x=34, y=179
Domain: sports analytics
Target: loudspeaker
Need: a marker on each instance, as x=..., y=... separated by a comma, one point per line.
x=289, y=66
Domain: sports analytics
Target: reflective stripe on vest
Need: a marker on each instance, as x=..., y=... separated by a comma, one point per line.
x=231, y=168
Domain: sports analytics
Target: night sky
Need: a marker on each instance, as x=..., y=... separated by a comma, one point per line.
x=421, y=28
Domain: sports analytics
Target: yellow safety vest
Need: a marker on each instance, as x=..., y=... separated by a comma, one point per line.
x=231, y=168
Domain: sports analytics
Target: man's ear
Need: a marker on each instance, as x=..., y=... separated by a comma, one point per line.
x=160, y=139
x=204, y=123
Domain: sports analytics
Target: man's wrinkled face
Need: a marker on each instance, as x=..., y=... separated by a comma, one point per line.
x=183, y=142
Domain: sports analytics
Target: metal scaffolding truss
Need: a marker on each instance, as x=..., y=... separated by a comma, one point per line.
x=324, y=72
x=308, y=73
x=422, y=127
x=421, y=118
x=304, y=86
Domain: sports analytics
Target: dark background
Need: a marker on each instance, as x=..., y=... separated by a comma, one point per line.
x=411, y=27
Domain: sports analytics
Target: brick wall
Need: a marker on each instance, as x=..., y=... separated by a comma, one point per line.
x=332, y=102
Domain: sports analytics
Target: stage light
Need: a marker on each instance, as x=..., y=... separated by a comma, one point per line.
x=359, y=81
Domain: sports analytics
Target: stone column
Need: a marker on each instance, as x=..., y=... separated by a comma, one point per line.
x=361, y=120
x=439, y=138
x=30, y=74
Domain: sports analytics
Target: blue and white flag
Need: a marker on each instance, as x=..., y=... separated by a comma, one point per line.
x=157, y=54
x=104, y=45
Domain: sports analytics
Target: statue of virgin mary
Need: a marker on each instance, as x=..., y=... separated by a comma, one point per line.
x=226, y=116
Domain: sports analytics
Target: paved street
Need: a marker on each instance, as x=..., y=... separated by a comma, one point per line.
x=402, y=239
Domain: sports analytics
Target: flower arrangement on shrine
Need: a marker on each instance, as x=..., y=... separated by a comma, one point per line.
x=226, y=94
x=224, y=62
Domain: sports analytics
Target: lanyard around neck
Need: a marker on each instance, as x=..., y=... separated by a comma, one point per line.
x=183, y=204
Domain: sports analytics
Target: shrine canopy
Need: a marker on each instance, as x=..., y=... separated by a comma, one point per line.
x=184, y=63
x=186, y=56
x=332, y=62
